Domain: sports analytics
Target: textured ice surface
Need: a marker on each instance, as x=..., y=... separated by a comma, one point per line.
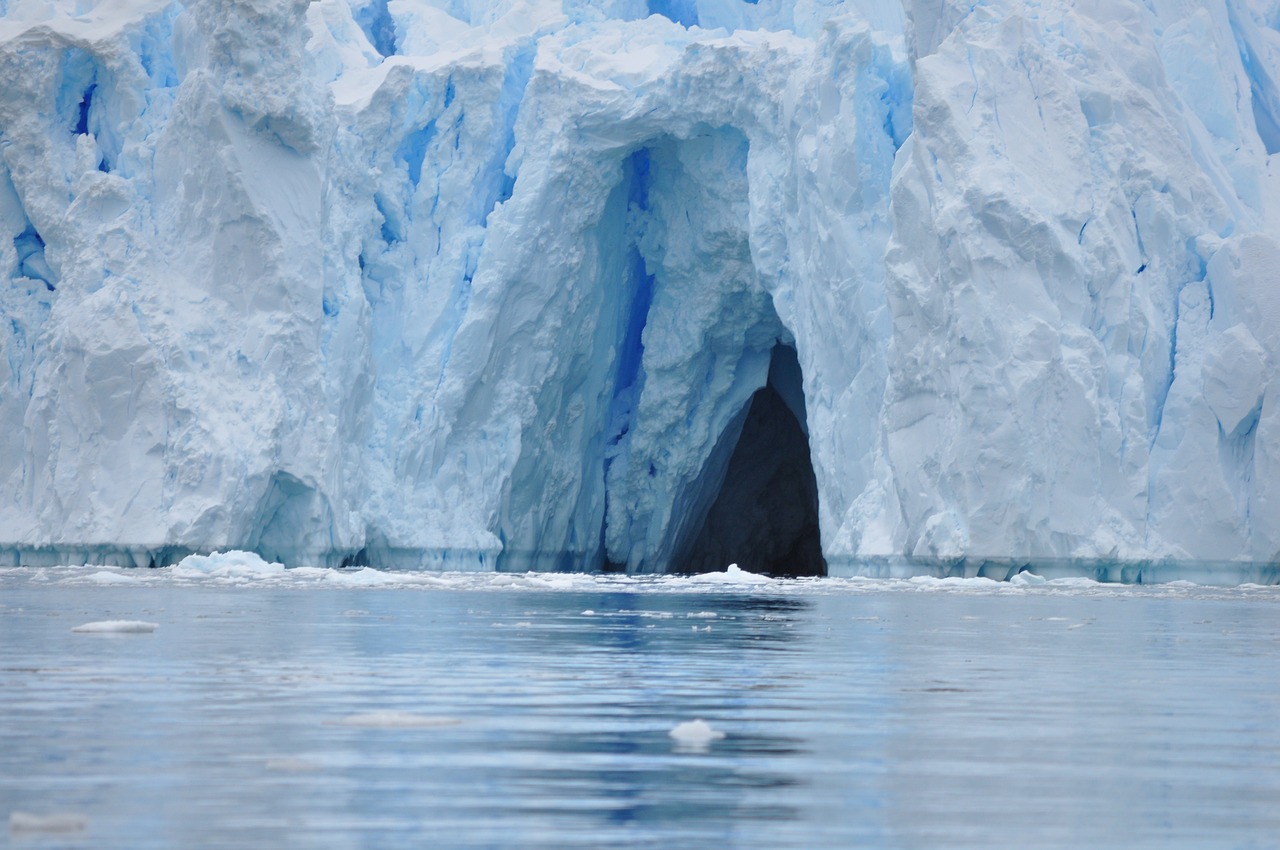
x=491, y=283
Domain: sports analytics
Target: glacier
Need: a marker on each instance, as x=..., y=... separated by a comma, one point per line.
x=883, y=286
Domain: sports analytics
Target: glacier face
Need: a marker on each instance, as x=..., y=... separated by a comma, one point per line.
x=494, y=283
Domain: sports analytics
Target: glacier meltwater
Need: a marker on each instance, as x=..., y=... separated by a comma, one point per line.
x=812, y=285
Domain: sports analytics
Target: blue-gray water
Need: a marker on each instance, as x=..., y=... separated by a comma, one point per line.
x=856, y=713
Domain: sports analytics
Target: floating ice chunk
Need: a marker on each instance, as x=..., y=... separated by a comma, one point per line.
x=695, y=733
x=1079, y=582
x=1028, y=579
x=117, y=627
x=108, y=577
x=954, y=582
x=555, y=582
x=55, y=822
x=232, y=564
x=394, y=720
x=733, y=574
x=364, y=577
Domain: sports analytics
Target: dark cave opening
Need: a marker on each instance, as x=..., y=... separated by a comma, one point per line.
x=765, y=516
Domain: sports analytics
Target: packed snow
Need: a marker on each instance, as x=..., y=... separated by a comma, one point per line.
x=492, y=284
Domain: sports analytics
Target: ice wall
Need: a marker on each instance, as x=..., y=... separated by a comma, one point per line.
x=1062, y=353
x=492, y=283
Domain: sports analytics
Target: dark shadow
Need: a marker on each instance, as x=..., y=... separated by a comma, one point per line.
x=765, y=516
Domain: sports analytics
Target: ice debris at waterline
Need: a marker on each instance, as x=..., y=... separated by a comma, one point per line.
x=508, y=285
x=338, y=580
x=117, y=627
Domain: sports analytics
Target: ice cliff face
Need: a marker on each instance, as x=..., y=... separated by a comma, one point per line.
x=503, y=283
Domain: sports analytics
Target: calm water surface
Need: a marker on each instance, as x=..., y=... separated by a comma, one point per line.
x=855, y=713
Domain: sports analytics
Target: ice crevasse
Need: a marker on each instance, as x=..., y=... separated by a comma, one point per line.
x=505, y=284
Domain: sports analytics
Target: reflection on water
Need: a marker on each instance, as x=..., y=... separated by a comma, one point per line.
x=851, y=719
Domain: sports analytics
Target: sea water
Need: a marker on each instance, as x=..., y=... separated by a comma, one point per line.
x=327, y=708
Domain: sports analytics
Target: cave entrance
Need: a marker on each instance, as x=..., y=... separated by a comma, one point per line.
x=670, y=430
x=765, y=514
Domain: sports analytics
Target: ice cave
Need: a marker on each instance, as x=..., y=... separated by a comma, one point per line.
x=764, y=516
x=680, y=378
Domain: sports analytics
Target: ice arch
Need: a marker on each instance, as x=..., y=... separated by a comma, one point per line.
x=670, y=335
x=654, y=249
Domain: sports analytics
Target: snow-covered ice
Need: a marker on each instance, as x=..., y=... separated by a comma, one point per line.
x=493, y=284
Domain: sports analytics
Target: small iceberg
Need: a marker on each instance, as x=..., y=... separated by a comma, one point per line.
x=117, y=627
x=231, y=564
x=733, y=574
x=695, y=733
x=108, y=577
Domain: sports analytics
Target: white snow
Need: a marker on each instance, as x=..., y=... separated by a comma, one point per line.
x=117, y=627
x=488, y=284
